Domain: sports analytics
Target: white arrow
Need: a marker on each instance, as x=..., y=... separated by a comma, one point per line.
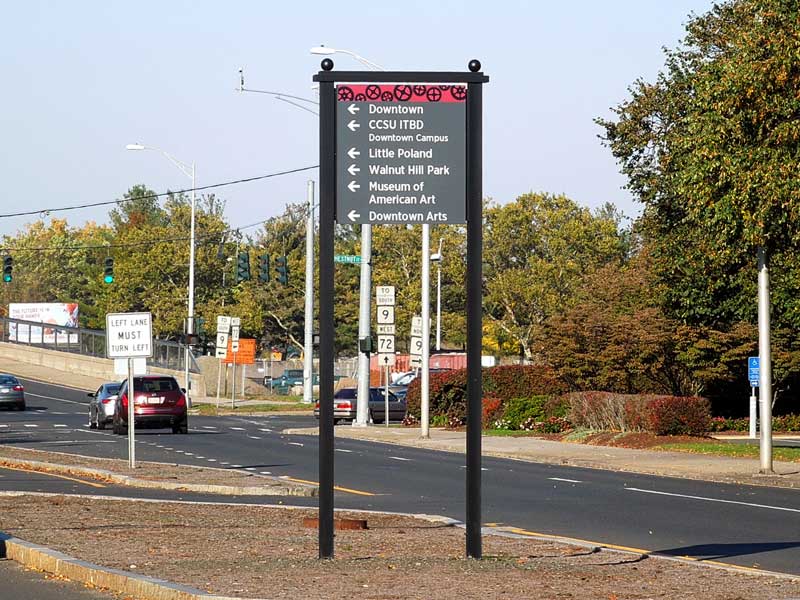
x=352, y=125
x=352, y=169
x=353, y=186
x=353, y=109
x=352, y=153
x=353, y=215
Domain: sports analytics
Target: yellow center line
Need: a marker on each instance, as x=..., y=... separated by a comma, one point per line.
x=338, y=488
x=654, y=553
x=97, y=485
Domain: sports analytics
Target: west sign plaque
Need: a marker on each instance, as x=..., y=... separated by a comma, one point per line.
x=401, y=154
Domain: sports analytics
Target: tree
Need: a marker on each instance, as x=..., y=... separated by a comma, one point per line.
x=710, y=148
x=536, y=251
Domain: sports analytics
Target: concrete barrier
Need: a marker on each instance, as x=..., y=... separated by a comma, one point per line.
x=92, y=366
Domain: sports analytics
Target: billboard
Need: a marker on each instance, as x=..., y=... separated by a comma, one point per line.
x=64, y=314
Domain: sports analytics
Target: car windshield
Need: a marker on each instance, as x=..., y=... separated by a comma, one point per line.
x=406, y=379
x=160, y=384
x=112, y=389
x=8, y=380
x=346, y=393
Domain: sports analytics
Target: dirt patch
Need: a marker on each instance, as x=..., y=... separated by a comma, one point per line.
x=637, y=440
x=148, y=471
x=263, y=552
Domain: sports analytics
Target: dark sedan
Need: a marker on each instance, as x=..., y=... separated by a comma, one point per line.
x=12, y=393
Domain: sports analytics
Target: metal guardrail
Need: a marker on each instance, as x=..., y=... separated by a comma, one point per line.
x=88, y=342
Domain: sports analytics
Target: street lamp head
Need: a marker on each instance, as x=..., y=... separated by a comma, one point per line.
x=323, y=50
x=135, y=147
x=436, y=257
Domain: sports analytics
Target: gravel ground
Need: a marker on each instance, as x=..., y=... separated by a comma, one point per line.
x=145, y=470
x=265, y=552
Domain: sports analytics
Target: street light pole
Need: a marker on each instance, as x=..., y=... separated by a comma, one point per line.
x=365, y=288
x=438, y=259
x=308, y=352
x=189, y=171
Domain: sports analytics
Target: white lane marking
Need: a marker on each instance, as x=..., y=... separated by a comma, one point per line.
x=465, y=466
x=165, y=448
x=250, y=469
x=237, y=466
x=200, y=457
x=67, y=442
x=266, y=472
x=237, y=428
x=254, y=437
x=295, y=444
x=562, y=479
x=783, y=508
x=54, y=398
x=265, y=430
x=59, y=413
x=224, y=463
x=58, y=425
x=342, y=450
x=211, y=459
x=30, y=425
x=399, y=458
x=180, y=451
x=186, y=453
x=4, y=425
x=208, y=427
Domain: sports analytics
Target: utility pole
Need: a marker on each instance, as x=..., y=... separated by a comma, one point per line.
x=308, y=352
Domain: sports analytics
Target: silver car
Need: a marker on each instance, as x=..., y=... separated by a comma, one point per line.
x=101, y=405
x=12, y=394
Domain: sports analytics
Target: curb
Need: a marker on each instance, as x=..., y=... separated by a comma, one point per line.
x=279, y=488
x=57, y=563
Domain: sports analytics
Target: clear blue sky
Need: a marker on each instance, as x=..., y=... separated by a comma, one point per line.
x=83, y=79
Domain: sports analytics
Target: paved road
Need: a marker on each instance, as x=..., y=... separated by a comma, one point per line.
x=745, y=525
x=18, y=584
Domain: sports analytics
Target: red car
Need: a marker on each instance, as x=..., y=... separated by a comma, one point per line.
x=159, y=402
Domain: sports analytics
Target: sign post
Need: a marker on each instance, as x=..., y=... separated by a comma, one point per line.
x=235, y=324
x=130, y=335
x=400, y=148
x=223, y=327
x=753, y=374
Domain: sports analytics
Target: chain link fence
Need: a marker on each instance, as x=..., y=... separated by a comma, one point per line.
x=88, y=342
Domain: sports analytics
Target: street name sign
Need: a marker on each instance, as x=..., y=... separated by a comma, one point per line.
x=401, y=153
x=129, y=335
x=347, y=258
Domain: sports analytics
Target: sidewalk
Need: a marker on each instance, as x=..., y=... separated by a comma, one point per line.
x=652, y=462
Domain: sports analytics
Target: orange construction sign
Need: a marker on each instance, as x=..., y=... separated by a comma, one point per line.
x=246, y=354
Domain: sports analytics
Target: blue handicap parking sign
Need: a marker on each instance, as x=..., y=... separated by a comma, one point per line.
x=753, y=370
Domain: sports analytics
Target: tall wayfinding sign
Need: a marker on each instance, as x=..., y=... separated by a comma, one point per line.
x=129, y=336
x=401, y=153
x=400, y=148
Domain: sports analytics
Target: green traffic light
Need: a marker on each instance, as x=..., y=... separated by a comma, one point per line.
x=107, y=279
x=7, y=278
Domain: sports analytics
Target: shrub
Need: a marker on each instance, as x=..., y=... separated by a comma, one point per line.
x=598, y=410
x=786, y=423
x=679, y=415
x=492, y=409
x=448, y=388
x=518, y=410
x=549, y=425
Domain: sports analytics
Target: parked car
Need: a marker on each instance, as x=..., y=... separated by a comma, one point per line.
x=158, y=402
x=101, y=405
x=344, y=405
x=12, y=393
x=401, y=383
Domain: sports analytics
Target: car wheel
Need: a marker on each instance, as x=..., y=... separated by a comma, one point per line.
x=21, y=406
x=100, y=424
x=92, y=424
x=373, y=419
x=182, y=427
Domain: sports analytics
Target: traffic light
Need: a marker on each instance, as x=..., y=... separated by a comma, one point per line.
x=263, y=268
x=283, y=269
x=108, y=270
x=8, y=266
x=242, y=267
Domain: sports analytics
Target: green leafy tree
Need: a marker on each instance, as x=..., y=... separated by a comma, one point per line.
x=536, y=251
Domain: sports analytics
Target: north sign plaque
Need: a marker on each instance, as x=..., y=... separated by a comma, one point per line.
x=401, y=154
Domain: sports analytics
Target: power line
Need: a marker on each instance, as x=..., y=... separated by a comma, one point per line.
x=149, y=196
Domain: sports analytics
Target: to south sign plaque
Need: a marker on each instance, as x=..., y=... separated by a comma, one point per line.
x=401, y=154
